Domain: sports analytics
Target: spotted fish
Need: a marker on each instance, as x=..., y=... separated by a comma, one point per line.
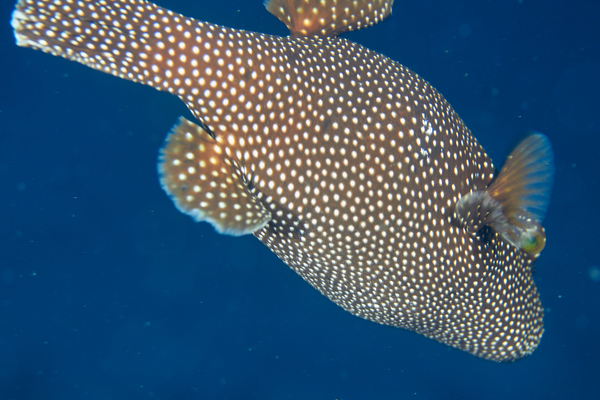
x=351, y=168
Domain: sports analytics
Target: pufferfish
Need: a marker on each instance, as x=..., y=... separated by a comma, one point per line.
x=351, y=168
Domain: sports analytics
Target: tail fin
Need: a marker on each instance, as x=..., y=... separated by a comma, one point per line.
x=131, y=39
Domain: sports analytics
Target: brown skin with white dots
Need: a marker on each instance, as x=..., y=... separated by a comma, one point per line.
x=346, y=164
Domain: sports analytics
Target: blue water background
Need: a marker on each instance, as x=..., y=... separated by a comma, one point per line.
x=108, y=292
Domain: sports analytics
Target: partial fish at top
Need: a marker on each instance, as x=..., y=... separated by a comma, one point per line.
x=351, y=168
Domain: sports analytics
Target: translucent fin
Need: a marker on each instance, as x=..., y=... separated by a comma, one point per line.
x=524, y=183
x=515, y=203
x=328, y=17
x=205, y=184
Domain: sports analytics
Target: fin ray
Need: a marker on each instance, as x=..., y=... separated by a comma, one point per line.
x=525, y=181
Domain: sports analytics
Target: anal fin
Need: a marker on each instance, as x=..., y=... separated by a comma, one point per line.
x=205, y=184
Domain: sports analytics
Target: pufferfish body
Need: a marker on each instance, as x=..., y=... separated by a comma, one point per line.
x=350, y=167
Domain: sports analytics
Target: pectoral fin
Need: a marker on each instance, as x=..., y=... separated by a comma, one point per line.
x=516, y=202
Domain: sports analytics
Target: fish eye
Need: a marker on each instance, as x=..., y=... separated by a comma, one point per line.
x=533, y=241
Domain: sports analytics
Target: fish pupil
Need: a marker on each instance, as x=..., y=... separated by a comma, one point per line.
x=530, y=243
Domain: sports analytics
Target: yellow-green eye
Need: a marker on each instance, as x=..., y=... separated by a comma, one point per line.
x=533, y=241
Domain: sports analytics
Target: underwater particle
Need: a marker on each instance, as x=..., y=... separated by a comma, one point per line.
x=594, y=272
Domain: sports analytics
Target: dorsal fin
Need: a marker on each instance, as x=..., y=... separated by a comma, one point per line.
x=328, y=17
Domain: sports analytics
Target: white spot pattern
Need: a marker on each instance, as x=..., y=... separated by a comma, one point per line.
x=353, y=162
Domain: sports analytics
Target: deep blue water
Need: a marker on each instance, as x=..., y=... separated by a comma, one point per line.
x=108, y=292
